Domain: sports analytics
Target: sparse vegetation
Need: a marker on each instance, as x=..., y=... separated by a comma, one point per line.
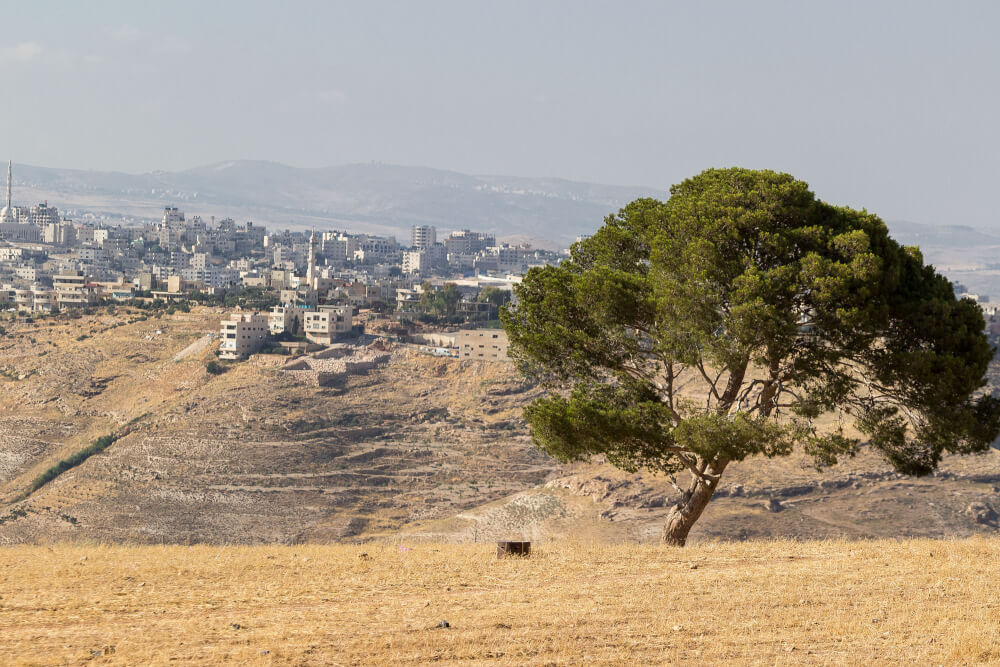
x=72, y=461
x=883, y=602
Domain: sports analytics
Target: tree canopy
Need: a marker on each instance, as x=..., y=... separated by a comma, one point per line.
x=440, y=302
x=494, y=296
x=725, y=322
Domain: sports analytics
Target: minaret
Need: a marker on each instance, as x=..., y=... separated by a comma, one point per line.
x=311, y=272
x=7, y=214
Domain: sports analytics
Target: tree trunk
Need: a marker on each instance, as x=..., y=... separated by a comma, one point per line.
x=690, y=506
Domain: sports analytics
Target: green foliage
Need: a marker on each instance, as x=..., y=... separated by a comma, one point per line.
x=74, y=460
x=293, y=336
x=251, y=298
x=440, y=302
x=214, y=367
x=495, y=296
x=724, y=322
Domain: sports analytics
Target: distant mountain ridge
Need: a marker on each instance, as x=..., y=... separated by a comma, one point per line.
x=378, y=198
x=365, y=197
x=940, y=236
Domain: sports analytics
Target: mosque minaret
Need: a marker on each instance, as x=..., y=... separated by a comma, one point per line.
x=7, y=214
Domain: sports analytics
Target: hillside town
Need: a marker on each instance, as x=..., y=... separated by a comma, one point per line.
x=285, y=287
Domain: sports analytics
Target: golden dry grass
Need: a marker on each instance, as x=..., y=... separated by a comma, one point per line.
x=915, y=601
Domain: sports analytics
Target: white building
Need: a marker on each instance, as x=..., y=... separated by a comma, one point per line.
x=285, y=318
x=59, y=233
x=422, y=236
x=15, y=222
x=172, y=217
x=328, y=324
x=465, y=242
x=416, y=261
x=242, y=335
x=72, y=290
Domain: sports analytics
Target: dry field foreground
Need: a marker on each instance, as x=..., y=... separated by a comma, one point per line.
x=915, y=601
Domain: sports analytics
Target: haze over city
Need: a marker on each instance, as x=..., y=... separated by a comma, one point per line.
x=887, y=106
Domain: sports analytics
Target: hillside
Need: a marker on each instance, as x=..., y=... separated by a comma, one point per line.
x=892, y=602
x=433, y=449
x=253, y=455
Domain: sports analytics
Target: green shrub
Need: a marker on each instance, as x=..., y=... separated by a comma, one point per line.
x=214, y=367
x=72, y=461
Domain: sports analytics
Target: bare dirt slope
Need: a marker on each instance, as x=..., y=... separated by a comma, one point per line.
x=426, y=448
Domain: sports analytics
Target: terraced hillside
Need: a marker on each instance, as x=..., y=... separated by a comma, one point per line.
x=251, y=455
x=421, y=447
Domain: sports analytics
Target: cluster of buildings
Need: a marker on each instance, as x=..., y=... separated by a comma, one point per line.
x=49, y=262
x=465, y=251
x=317, y=281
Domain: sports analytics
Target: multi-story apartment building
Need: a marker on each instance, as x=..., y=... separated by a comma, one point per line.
x=422, y=236
x=24, y=299
x=59, y=233
x=200, y=260
x=172, y=216
x=482, y=344
x=44, y=301
x=285, y=318
x=242, y=335
x=465, y=242
x=30, y=274
x=328, y=323
x=372, y=249
x=416, y=261
x=72, y=290
x=42, y=214
x=100, y=236
x=339, y=245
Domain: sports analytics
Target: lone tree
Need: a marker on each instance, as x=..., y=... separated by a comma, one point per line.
x=727, y=321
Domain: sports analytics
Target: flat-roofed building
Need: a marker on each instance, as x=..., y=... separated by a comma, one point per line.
x=24, y=299
x=328, y=324
x=44, y=302
x=72, y=290
x=483, y=344
x=285, y=318
x=242, y=335
x=175, y=284
x=422, y=236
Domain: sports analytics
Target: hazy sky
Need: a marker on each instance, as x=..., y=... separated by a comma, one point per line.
x=892, y=106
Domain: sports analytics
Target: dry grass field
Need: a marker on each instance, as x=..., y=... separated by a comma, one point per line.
x=826, y=602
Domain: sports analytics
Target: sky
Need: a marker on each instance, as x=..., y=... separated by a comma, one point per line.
x=892, y=106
